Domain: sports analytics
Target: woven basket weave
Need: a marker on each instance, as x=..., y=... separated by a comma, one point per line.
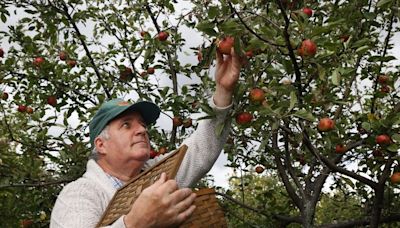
x=125, y=196
x=208, y=213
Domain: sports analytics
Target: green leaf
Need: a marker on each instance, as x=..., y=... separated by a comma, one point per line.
x=304, y=114
x=348, y=181
x=336, y=77
x=207, y=28
x=213, y=12
x=293, y=100
x=220, y=127
x=393, y=148
x=396, y=137
x=384, y=3
x=362, y=49
x=366, y=126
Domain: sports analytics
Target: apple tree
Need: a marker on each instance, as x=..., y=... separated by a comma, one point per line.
x=303, y=61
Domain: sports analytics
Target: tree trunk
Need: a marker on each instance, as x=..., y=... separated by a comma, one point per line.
x=308, y=214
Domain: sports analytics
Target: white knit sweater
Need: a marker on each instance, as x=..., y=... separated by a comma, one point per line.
x=81, y=203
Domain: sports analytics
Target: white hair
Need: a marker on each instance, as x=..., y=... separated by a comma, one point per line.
x=104, y=135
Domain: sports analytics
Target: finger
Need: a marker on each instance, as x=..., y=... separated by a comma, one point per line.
x=186, y=203
x=169, y=186
x=180, y=195
x=185, y=215
x=220, y=57
x=161, y=180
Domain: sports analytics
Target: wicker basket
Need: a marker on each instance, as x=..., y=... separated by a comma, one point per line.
x=208, y=213
x=123, y=199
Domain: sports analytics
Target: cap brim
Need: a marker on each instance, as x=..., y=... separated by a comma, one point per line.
x=149, y=111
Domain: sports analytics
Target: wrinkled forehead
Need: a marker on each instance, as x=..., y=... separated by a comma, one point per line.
x=129, y=115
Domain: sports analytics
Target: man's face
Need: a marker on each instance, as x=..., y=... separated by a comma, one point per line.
x=128, y=140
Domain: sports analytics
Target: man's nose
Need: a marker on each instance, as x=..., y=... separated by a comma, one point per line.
x=141, y=129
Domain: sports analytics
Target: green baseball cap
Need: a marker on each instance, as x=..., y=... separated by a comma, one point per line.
x=111, y=109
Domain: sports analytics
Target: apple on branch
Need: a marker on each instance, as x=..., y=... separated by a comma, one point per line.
x=395, y=178
x=1, y=53
x=21, y=108
x=177, y=121
x=162, y=36
x=257, y=95
x=225, y=45
x=4, y=96
x=307, y=48
x=326, y=124
x=308, y=11
x=259, y=169
x=52, y=100
x=63, y=55
x=383, y=139
x=38, y=61
x=244, y=118
x=340, y=148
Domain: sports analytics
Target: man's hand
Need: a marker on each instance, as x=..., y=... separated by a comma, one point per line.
x=226, y=77
x=161, y=205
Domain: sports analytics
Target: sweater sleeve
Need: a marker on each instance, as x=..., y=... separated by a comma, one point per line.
x=79, y=206
x=204, y=147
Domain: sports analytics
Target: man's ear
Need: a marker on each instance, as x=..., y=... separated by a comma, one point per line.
x=99, y=144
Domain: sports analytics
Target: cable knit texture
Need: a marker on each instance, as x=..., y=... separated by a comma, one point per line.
x=81, y=203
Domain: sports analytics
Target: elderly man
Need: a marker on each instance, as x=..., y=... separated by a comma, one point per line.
x=119, y=137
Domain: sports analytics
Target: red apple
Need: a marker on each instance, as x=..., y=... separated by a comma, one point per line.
x=4, y=96
x=383, y=139
x=344, y=38
x=307, y=11
x=377, y=153
x=63, y=55
x=383, y=79
x=257, y=95
x=244, y=118
x=163, y=36
x=1, y=52
x=187, y=122
x=143, y=74
x=176, y=121
x=249, y=54
x=26, y=223
x=126, y=74
x=259, y=169
x=385, y=89
x=71, y=63
x=162, y=150
x=52, y=100
x=150, y=70
x=225, y=45
x=301, y=159
x=29, y=110
x=326, y=124
x=199, y=56
x=340, y=149
x=307, y=48
x=143, y=33
x=395, y=178
x=21, y=108
x=38, y=61
x=153, y=153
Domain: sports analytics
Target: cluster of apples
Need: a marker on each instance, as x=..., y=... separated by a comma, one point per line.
x=65, y=57
x=177, y=121
x=383, y=80
x=256, y=95
x=160, y=151
x=161, y=36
